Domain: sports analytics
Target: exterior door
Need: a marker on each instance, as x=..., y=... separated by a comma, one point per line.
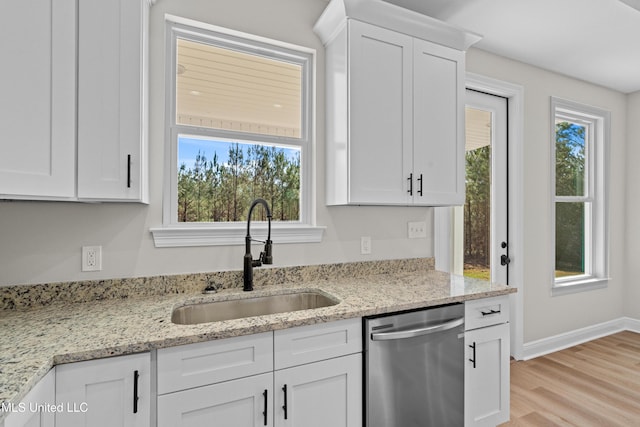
x=481, y=243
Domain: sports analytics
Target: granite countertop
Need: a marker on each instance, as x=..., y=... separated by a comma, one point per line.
x=36, y=339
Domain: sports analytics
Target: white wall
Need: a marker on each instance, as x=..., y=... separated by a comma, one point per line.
x=632, y=249
x=41, y=242
x=544, y=315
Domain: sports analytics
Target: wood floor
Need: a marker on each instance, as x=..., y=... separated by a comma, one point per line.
x=592, y=384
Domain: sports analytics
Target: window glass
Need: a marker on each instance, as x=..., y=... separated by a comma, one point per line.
x=223, y=88
x=579, y=146
x=570, y=159
x=570, y=239
x=240, y=116
x=217, y=179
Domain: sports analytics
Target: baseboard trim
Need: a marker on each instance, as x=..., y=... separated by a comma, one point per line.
x=569, y=339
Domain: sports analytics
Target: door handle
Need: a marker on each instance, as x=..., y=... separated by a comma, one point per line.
x=410, y=333
x=504, y=259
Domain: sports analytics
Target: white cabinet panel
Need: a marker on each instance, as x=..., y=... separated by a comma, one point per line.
x=37, y=105
x=395, y=117
x=305, y=344
x=74, y=87
x=438, y=132
x=487, y=376
x=205, y=363
x=321, y=394
x=33, y=410
x=245, y=402
x=112, y=99
x=486, y=312
x=113, y=392
x=380, y=138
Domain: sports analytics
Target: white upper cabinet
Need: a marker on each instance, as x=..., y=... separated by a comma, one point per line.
x=394, y=105
x=74, y=87
x=37, y=105
x=112, y=99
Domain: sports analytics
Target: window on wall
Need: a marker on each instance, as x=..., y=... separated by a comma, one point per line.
x=239, y=127
x=580, y=138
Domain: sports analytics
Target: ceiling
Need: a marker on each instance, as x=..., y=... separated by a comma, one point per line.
x=593, y=40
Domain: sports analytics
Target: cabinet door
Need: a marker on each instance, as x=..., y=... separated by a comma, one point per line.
x=32, y=411
x=380, y=122
x=438, y=117
x=37, y=105
x=321, y=394
x=112, y=61
x=113, y=392
x=246, y=402
x=487, y=376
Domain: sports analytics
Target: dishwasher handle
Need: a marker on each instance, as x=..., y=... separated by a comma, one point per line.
x=410, y=333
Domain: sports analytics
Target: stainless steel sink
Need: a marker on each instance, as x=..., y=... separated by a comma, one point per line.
x=247, y=307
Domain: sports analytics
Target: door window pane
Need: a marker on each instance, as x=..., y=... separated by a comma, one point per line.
x=477, y=208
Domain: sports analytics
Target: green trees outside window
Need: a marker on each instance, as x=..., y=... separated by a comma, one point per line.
x=571, y=209
x=219, y=184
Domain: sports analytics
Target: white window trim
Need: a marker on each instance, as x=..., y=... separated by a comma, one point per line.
x=175, y=234
x=598, y=121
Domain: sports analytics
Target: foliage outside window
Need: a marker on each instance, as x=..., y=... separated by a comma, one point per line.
x=239, y=115
x=222, y=187
x=579, y=141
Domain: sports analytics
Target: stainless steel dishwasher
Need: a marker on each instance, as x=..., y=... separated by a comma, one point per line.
x=414, y=368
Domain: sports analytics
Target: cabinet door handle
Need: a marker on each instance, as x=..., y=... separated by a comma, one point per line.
x=128, y=170
x=410, y=191
x=264, y=413
x=136, y=376
x=473, y=360
x=492, y=311
x=420, y=188
x=284, y=389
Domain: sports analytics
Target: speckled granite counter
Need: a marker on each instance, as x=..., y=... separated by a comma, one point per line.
x=33, y=340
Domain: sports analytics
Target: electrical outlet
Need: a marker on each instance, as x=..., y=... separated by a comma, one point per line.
x=365, y=245
x=417, y=230
x=91, y=258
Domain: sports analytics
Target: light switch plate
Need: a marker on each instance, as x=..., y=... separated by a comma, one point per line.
x=417, y=230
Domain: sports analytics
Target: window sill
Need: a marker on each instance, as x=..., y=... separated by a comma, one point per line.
x=205, y=235
x=582, y=284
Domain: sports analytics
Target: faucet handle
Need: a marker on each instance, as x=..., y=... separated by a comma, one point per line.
x=266, y=257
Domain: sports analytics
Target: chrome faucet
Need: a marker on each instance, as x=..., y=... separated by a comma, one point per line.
x=265, y=256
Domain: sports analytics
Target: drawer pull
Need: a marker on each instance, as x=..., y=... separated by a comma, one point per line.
x=265, y=407
x=490, y=312
x=136, y=377
x=473, y=360
x=284, y=389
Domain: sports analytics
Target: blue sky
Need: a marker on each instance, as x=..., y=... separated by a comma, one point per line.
x=188, y=148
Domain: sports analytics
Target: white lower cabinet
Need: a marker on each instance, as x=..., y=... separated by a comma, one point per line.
x=245, y=402
x=313, y=377
x=487, y=362
x=112, y=392
x=35, y=410
x=327, y=393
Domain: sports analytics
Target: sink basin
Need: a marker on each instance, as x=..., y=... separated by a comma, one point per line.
x=247, y=307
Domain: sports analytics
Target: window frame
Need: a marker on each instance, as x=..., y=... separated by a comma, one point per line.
x=174, y=233
x=595, y=197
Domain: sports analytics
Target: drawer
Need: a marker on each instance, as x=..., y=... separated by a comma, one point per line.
x=194, y=365
x=306, y=344
x=486, y=312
